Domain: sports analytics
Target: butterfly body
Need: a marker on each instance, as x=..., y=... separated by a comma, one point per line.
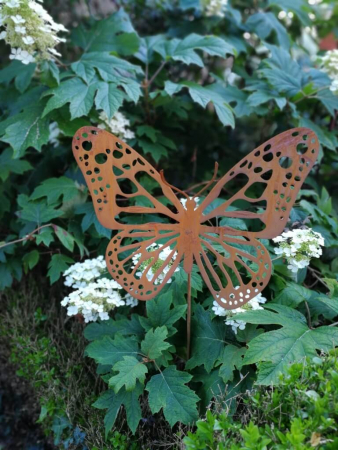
x=232, y=260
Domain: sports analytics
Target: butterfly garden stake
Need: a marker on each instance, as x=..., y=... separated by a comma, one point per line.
x=234, y=264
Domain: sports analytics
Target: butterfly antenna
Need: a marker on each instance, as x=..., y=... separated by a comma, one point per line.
x=171, y=186
x=210, y=182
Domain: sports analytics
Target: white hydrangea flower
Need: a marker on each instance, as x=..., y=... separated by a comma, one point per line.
x=299, y=246
x=329, y=65
x=214, y=8
x=253, y=304
x=184, y=202
x=118, y=125
x=163, y=255
x=94, y=297
x=29, y=30
x=94, y=300
x=80, y=274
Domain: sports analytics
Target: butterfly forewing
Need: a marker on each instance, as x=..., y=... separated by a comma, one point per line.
x=117, y=176
x=266, y=182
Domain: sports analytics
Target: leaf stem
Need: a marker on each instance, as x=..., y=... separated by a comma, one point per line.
x=25, y=238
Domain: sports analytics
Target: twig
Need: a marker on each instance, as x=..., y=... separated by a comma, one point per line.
x=333, y=324
x=313, y=271
x=308, y=315
x=28, y=236
x=157, y=72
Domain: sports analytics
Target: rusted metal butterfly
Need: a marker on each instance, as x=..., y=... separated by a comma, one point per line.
x=234, y=264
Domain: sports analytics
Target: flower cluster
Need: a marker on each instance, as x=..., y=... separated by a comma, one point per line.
x=163, y=255
x=95, y=295
x=29, y=30
x=330, y=66
x=299, y=246
x=118, y=125
x=214, y=8
x=254, y=303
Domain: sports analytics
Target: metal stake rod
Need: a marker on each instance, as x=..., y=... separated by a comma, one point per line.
x=189, y=315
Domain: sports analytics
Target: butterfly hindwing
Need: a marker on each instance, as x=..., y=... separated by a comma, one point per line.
x=235, y=268
x=143, y=261
x=267, y=182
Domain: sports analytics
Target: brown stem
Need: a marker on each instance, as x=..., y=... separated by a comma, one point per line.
x=28, y=236
x=189, y=315
x=157, y=72
x=308, y=315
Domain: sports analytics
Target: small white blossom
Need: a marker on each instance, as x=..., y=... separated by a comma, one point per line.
x=329, y=65
x=118, y=125
x=20, y=17
x=28, y=40
x=163, y=255
x=298, y=247
x=253, y=304
x=214, y=8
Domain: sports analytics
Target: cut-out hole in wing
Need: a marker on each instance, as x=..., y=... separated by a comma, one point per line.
x=235, y=268
x=275, y=172
x=118, y=177
x=142, y=262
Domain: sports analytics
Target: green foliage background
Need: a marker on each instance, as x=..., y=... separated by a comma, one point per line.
x=165, y=67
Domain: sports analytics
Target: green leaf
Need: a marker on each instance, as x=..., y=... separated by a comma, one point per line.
x=74, y=91
x=203, y=96
x=114, y=34
x=212, y=385
x=30, y=260
x=185, y=49
x=66, y=238
x=283, y=72
x=130, y=370
x=58, y=264
x=326, y=138
x=292, y=295
x=263, y=23
x=208, y=339
x=110, y=327
x=331, y=303
x=300, y=7
x=329, y=100
x=90, y=218
x=45, y=236
x=156, y=150
x=109, y=98
x=38, y=211
x=113, y=402
x=238, y=100
x=286, y=316
x=109, y=68
x=26, y=129
x=231, y=359
x=110, y=351
x=154, y=342
x=168, y=390
x=9, y=165
x=279, y=348
x=21, y=74
x=161, y=313
x=54, y=188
